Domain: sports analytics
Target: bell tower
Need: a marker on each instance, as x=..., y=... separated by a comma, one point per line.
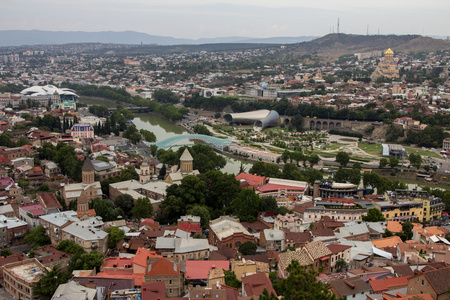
x=144, y=174
x=87, y=172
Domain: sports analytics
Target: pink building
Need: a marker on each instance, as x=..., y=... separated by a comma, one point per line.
x=82, y=131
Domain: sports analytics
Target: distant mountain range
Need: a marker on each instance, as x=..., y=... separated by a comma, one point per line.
x=39, y=37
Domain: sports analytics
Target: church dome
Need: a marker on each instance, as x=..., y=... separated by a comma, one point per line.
x=389, y=51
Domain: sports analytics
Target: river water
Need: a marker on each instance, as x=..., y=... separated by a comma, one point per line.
x=164, y=129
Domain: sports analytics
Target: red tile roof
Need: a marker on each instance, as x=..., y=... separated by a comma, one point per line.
x=252, y=180
x=163, y=267
x=141, y=256
x=380, y=285
x=275, y=187
x=196, y=269
x=336, y=248
x=189, y=227
x=255, y=284
x=117, y=262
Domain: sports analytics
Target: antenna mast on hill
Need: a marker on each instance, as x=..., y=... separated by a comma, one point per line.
x=338, y=27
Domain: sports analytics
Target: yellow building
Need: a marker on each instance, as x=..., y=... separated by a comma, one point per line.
x=401, y=210
x=432, y=207
x=387, y=68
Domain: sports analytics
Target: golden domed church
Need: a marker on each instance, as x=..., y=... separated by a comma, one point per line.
x=387, y=68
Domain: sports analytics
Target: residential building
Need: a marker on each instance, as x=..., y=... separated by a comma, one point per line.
x=182, y=248
x=314, y=253
x=389, y=283
x=82, y=131
x=339, y=252
x=353, y=287
x=229, y=232
x=105, y=170
x=432, y=206
x=53, y=223
x=13, y=153
x=16, y=230
x=446, y=144
x=288, y=221
x=19, y=277
x=73, y=290
x=168, y=272
x=49, y=202
x=204, y=270
x=316, y=213
x=433, y=282
x=254, y=285
x=31, y=213
x=272, y=240
x=52, y=171
x=87, y=234
x=401, y=210
x=7, y=210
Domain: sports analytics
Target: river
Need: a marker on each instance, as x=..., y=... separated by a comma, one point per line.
x=164, y=129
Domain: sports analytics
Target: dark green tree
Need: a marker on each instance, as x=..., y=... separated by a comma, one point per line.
x=231, y=280
x=341, y=265
x=124, y=202
x=201, y=211
x=143, y=208
x=343, y=158
x=115, y=236
x=47, y=285
x=70, y=247
x=393, y=162
x=246, y=205
x=302, y=284
x=6, y=252
x=37, y=237
x=373, y=215
x=383, y=163
x=248, y=248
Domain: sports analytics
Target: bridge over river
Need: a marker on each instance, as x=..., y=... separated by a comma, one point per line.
x=214, y=142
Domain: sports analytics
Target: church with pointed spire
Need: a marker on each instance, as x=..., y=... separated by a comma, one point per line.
x=387, y=68
x=186, y=168
x=83, y=192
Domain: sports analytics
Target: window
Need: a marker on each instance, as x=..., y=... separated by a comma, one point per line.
x=422, y=282
x=170, y=281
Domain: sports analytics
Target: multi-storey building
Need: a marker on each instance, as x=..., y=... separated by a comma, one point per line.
x=228, y=231
x=19, y=277
x=326, y=189
x=316, y=213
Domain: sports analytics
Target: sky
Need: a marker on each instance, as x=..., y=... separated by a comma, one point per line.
x=195, y=19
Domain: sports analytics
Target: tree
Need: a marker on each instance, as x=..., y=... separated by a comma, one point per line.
x=70, y=247
x=373, y=215
x=343, y=158
x=341, y=265
x=407, y=228
x=387, y=233
x=124, y=202
x=132, y=134
x=201, y=211
x=47, y=285
x=201, y=129
x=265, y=295
x=105, y=209
x=246, y=205
x=302, y=284
x=86, y=261
x=6, y=252
x=393, y=162
x=143, y=208
x=313, y=159
x=231, y=280
x=37, y=237
x=383, y=163
x=148, y=135
x=415, y=160
x=248, y=248
x=115, y=236
x=165, y=96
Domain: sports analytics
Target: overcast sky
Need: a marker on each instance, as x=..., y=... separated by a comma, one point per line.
x=210, y=18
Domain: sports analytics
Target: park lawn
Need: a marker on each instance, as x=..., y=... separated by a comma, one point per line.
x=421, y=152
x=374, y=149
x=334, y=146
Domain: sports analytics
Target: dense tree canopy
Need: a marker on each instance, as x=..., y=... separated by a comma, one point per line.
x=143, y=208
x=37, y=237
x=373, y=215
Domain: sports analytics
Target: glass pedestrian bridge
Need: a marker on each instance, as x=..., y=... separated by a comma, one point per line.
x=214, y=142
